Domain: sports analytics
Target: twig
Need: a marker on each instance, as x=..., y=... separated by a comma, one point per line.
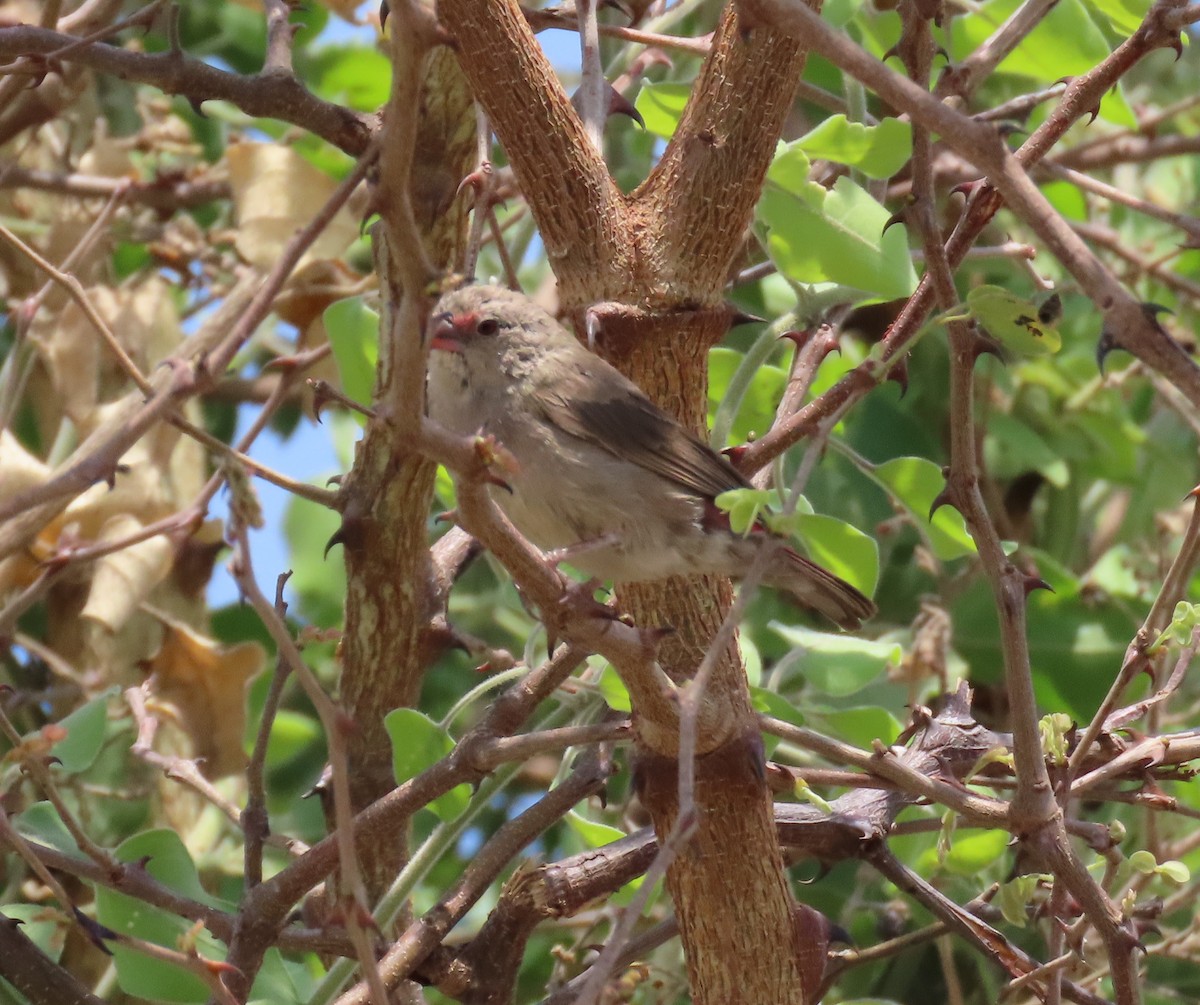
x=426, y=932
x=32, y=762
x=592, y=99
x=279, y=37
x=482, y=181
x=165, y=193
x=254, y=820
x=264, y=95
x=1173, y=589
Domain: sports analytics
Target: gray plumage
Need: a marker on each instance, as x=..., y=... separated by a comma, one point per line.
x=597, y=460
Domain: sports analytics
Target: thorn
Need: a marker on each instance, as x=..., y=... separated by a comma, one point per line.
x=480, y=179
x=97, y=933
x=321, y=397
x=838, y=934
x=943, y=498
x=1032, y=583
x=651, y=638
x=896, y=217
x=350, y=534
x=798, y=338
x=446, y=516
x=618, y=104
x=1006, y=129
x=1093, y=113
x=618, y=5
x=898, y=373
x=967, y=188
x=738, y=451
x=737, y=316
x=1104, y=345
x=893, y=51
x=984, y=345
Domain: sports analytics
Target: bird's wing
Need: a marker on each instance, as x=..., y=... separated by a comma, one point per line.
x=617, y=416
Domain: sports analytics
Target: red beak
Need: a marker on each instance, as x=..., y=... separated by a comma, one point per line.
x=447, y=331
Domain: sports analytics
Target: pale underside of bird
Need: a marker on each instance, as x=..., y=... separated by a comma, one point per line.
x=601, y=472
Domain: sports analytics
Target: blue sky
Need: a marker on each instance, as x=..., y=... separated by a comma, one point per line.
x=309, y=454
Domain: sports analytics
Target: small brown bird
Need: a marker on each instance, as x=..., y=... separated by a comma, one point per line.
x=601, y=469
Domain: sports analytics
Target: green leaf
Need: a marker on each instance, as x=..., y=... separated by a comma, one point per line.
x=861, y=726
x=756, y=410
x=1053, y=729
x=167, y=860
x=772, y=703
x=661, y=107
x=318, y=580
x=353, y=330
x=282, y=982
x=593, y=833
x=86, y=728
x=1143, y=861
x=838, y=664
x=877, y=151
x=1066, y=42
x=1183, y=622
x=745, y=507
x=612, y=688
x=353, y=75
x=291, y=734
x=1175, y=871
x=916, y=483
x=41, y=823
x=837, y=236
x=1015, y=896
x=789, y=169
x=1125, y=16
x=1113, y=573
x=418, y=743
x=841, y=548
x=1013, y=321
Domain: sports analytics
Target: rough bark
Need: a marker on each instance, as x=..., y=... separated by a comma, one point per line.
x=653, y=267
x=389, y=642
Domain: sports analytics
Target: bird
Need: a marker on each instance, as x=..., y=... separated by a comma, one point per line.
x=601, y=473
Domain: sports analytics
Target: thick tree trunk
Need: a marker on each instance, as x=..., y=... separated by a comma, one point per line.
x=390, y=597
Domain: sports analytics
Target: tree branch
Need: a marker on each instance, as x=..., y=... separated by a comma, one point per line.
x=270, y=95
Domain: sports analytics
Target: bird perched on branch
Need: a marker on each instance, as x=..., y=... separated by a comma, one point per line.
x=602, y=473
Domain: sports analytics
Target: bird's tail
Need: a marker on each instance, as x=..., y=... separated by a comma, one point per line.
x=818, y=589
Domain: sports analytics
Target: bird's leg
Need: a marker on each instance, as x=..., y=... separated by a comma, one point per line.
x=557, y=556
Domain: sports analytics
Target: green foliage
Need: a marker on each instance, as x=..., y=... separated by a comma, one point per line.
x=418, y=743
x=877, y=151
x=354, y=335
x=1084, y=474
x=838, y=235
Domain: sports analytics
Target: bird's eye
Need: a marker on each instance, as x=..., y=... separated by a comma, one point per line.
x=488, y=327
